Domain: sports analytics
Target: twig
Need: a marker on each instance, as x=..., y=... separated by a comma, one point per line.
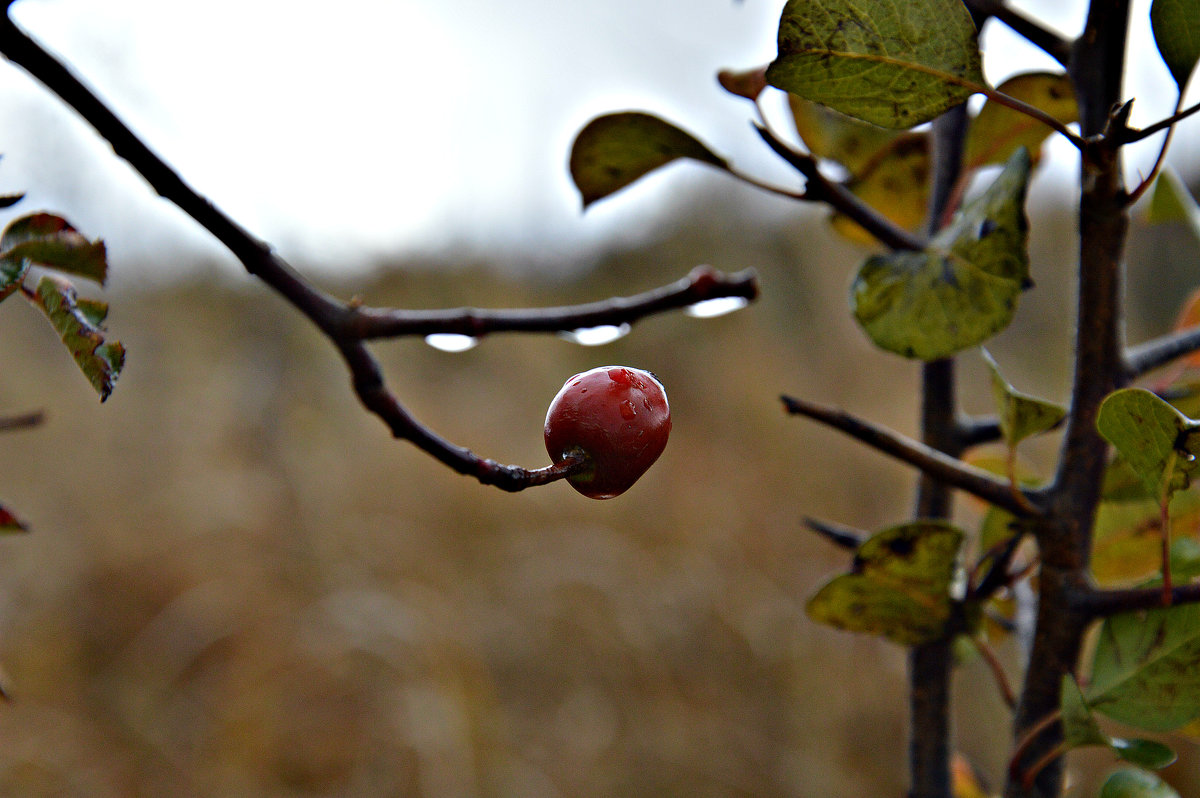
x=1160, y=351
x=22, y=421
x=701, y=284
x=839, y=534
x=821, y=189
x=1031, y=30
x=1130, y=135
x=928, y=460
x=337, y=320
x=997, y=669
x=1148, y=180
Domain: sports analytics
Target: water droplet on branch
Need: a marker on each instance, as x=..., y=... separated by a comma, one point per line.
x=711, y=308
x=451, y=342
x=595, y=336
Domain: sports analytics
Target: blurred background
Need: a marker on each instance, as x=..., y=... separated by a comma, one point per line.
x=237, y=584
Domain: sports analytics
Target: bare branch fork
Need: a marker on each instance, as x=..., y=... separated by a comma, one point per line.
x=349, y=325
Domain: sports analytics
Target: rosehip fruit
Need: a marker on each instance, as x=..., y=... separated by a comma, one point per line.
x=617, y=417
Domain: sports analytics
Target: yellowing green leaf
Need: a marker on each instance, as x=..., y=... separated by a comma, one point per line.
x=833, y=136
x=79, y=323
x=613, y=151
x=891, y=64
x=899, y=586
x=999, y=131
x=1176, y=26
x=1127, y=539
x=896, y=183
x=963, y=287
x=1172, y=202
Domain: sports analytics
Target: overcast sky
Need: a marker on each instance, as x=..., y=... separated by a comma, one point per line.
x=386, y=126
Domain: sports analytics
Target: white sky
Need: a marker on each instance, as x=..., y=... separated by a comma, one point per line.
x=387, y=126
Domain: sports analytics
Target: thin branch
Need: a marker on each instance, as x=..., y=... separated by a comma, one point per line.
x=846, y=537
x=1131, y=135
x=928, y=460
x=703, y=283
x=1031, y=30
x=335, y=319
x=1160, y=351
x=1148, y=180
x=821, y=189
x=1105, y=603
x=22, y=421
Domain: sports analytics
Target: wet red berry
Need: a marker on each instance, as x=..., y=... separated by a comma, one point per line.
x=615, y=415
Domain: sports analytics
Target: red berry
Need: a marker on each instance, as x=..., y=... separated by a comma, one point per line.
x=618, y=417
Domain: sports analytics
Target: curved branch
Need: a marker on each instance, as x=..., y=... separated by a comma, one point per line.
x=703, y=283
x=928, y=460
x=348, y=325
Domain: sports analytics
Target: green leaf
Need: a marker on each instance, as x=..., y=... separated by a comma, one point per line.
x=1157, y=442
x=1021, y=415
x=79, y=324
x=1172, y=202
x=1129, y=783
x=891, y=64
x=48, y=240
x=899, y=586
x=1176, y=25
x=999, y=131
x=1080, y=729
x=1144, y=670
x=1149, y=754
x=614, y=150
x=960, y=290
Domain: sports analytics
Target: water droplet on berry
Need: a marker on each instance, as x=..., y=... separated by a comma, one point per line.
x=628, y=411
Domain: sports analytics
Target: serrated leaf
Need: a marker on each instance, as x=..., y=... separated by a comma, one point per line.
x=78, y=323
x=1021, y=415
x=891, y=64
x=1157, y=442
x=833, y=136
x=48, y=240
x=899, y=587
x=614, y=150
x=1176, y=26
x=999, y=131
x=896, y=183
x=1144, y=670
x=963, y=288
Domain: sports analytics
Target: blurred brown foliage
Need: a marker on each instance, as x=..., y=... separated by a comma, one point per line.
x=237, y=584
